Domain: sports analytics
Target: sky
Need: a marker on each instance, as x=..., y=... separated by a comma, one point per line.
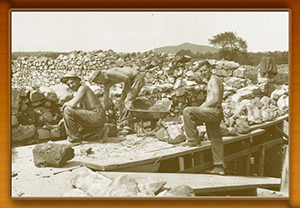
x=140, y=31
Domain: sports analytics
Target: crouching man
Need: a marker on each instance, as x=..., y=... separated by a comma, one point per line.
x=210, y=113
x=84, y=116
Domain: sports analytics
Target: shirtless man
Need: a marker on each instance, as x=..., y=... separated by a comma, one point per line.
x=84, y=116
x=133, y=83
x=210, y=113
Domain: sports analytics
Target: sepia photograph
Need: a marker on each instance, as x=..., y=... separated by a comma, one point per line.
x=149, y=104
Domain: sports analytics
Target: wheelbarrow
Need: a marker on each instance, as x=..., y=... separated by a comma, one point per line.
x=143, y=110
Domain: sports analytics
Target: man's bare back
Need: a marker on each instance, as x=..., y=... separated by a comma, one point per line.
x=89, y=100
x=84, y=98
x=117, y=75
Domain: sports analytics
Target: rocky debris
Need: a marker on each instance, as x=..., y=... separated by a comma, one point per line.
x=63, y=93
x=151, y=185
x=241, y=126
x=123, y=186
x=94, y=184
x=171, y=133
x=283, y=103
x=36, y=84
x=52, y=155
x=22, y=133
x=180, y=191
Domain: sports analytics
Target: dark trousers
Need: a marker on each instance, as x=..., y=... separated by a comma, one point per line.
x=80, y=123
x=211, y=116
x=136, y=85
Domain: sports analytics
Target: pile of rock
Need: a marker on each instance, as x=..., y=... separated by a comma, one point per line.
x=37, y=93
x=87, y=183
x=36, y=111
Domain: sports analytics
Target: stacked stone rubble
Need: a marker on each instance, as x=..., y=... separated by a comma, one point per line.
x=37, y=93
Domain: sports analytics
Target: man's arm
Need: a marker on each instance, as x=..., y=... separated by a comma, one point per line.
x=106, y=100
x=77, y=98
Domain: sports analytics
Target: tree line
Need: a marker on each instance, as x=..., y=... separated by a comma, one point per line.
x=229, y=45
x=249, y=58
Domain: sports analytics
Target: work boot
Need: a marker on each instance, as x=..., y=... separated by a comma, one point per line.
x=217, y=170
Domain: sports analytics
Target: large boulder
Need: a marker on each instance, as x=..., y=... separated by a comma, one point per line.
x=151, y=185
x=92, y=183
x=230, y=65
x=35, y=96
x=234, y=82
x=240, y=72
x=180, y=191
x=242, y=126
x=44, y=115
x=63, y=93
x=49, y=94
x=43, y=133
x=248, y=92
x=276, y=94
x=22, y=133
x=52, y=155
x=123, y=186
x=283, y=103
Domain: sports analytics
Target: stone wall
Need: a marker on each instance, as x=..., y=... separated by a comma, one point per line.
x=37, y=94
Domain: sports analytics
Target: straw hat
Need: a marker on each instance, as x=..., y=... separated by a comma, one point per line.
x=69, y=74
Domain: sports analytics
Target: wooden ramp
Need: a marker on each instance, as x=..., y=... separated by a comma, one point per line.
x=205, y=185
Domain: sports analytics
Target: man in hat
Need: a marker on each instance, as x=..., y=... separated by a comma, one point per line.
x=210, y=113
x=133, y=83
x=84, y=116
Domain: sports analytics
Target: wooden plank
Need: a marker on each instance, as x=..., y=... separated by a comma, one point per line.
x=204, y=183
x=180, y=152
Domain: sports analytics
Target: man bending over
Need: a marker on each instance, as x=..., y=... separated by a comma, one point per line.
x=133, y=83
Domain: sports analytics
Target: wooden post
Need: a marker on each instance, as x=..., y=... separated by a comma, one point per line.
x=261, y=163
x=244, y=162
x=285, y=171
x=273, y=163
x=188, y=161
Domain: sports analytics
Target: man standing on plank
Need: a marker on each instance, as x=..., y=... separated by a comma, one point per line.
x=210, y=113
x=84, y=116
x=133, y=83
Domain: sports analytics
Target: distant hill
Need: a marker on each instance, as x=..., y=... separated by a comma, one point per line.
x=193, y=47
